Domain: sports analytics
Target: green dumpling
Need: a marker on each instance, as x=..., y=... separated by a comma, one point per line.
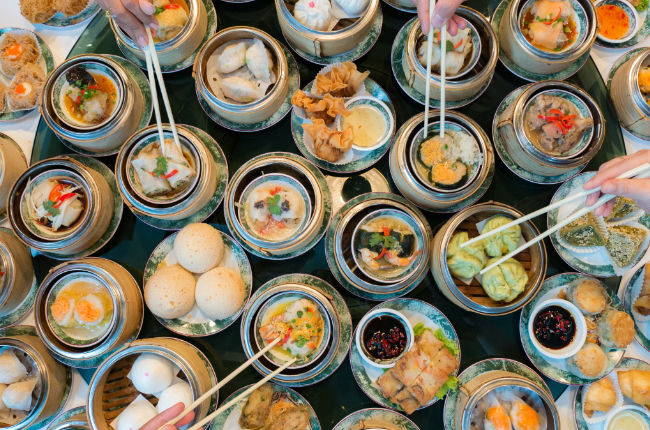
x=583, y=231
x=506, y=281
x=504, y=241
x=624, y=243
x=464, y=262
x=622, y=207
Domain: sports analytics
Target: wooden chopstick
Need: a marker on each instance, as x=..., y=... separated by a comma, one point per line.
x=604, y=199
x=163, y=89
x=242, y=395
x=427, y=90
x=630, y=173
x=154, y=99
x=223, y=382
x=443, y=77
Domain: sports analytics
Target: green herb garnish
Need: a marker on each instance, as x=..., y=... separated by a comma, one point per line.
x=388, y=242
x=449, y=344
x=161, y=167
x=299, y=313
x=159, y=10
x=48, y=205
x=274, y=204
x=301, y=341
x=418, y=329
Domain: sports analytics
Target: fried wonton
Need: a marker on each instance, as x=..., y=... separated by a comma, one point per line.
x=341, y=81
x=326, y=108
x=329, y=144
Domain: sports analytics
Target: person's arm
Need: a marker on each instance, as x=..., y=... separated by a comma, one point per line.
x=158, y=422
x=132, y=16
x=635, y=189
x=444, y=13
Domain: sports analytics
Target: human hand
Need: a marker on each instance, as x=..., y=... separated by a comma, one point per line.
x=158, y=422
x=443, y=13
x=132, y=16
x=635, y=189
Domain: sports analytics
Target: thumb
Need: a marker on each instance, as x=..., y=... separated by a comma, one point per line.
x=147, y=7
x=443, y=11
x=635, y=189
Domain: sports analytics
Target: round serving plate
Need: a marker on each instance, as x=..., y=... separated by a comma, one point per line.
x=398, y=51
x=375, y=418
x=352, y=55
x=77, y=420
x=397, y=5
x=293, y=78
x=189, y=61
x=361, y=160
x=628, y=363
x=222, y=182
x=630, y=292
x=339, y=264
x=525, y=74
x=340, y=319
x=28, y=330
x=228, y=419
x=643, y=29
x=345, y=188
x=46, y=61
x=20, y=311
x=595, y=262
x=118, y=207
x=236, y=259
x=143, y=83
x=501, y=365
x=417, y=312
x=555, y=369
x=61, y=20
x=501, y=149
x=10, y=141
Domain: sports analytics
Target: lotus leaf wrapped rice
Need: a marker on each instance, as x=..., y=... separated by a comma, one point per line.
x=504, y=241
x=465, y=262
x=506, y=281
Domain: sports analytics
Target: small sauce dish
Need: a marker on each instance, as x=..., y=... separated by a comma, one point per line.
x=383, y=337
x=371, y=121
x=557, y=328
x=620, y=6
x=628, y=417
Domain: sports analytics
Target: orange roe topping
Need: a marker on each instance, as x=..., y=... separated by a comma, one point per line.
x=14, y=51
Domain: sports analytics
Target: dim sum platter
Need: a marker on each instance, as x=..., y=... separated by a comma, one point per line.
x=354, y=160
x=630, y=294
x=598, y=418
x=557, y=369
x=61, y=20
x=591, y=260
x=229, y=419
x=45, y=61
x=421, y=315
x=375, y=418
x=276, y=298
x=195, y=323
x=525, y=74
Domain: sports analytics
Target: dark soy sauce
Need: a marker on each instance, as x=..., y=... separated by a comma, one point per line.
x=384, y=337
x=554, y=327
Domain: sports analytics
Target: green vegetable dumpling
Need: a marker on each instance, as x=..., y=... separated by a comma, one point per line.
x=465, y=262
x=504, y=241
x=506, y=281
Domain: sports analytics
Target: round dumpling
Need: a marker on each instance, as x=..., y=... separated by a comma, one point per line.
x=220, y=293
x=353, y=8
x=464, y=262
x=504, y=241
x=136, y=415
x=315, y=14
x=198, y=247
x=151, y=373
x=18, y=396
x=505, y=281
x=179, y=392
x=11, y=368
x=232, y=57
x=169, y=293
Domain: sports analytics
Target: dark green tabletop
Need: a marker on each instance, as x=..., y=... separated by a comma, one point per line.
x=480, y=337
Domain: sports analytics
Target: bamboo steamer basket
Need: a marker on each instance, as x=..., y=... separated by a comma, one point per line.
x=178, y=48
x=18, y=272
x=190, y=201
x=76, y=421
x=127, y=309
x=95, y=219
x=325, y=43
x=510, y=126
x=470, y=83
x=631, y=107
x=12, y=165
x=472, y=297
x=243, y=113
x=402, y=167
x=110, y=135
x=52, y=377
x=111, y=391
x=535, y=60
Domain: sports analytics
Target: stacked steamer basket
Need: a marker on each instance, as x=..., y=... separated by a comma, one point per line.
x=112, y=390
x=471, y=296
x=13, y=164
x=107, y=135
x=74, y=419
x=120, y=323
x=407, y=174
x=630, y=102
x=18, y=273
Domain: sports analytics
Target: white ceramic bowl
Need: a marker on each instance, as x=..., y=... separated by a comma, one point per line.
x=631, y=13
x=410, y=336
x=638, y=409
x=378, y=105
x=578, y=339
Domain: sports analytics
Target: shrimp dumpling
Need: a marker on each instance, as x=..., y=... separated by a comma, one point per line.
x=496, y=417
x=259, y=61
x=11, y=368
x=18, y=395
x=232, y=57
x=240, y=90
x=523, y=416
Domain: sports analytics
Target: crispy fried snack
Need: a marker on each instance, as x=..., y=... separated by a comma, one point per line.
x=37, y=11
x=70, y=7
x=341, y=81
x=326, y=108
x=329, y=144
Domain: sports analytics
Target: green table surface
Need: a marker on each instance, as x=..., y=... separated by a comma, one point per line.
x=480, y=337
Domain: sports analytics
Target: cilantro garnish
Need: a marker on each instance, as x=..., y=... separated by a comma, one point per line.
x=159, y=10
x=161, y=167
x=388, y=242
x=299, y=313
x=48, y=205
x=274, y=204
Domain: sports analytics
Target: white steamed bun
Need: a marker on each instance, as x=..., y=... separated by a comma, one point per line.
x=198, y=247
x=151, y=373
x=178, y=392
x=169, y=293
x=220, y=293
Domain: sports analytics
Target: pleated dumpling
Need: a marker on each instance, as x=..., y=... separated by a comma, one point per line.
x=11, y=368
x=232, y=57
x=240, y=90
x=504, y=241
x=496, y=417
x=505, y=281
x=18, y=396
x=259, y=61
x=467, y=261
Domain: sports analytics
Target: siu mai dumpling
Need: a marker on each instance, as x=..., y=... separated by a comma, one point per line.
x=240, y=90
x=177, y=162
x=259, y=61
x=170, y=22
x=232, y=57
x=18, y=395
x=144, y=164
x=11, y=368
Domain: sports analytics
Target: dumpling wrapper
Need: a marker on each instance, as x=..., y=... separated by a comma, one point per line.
x=134, y=416
x=144, y=164
x=240, y=89
x=11, y=368
x=259, y=61
x=18, y=396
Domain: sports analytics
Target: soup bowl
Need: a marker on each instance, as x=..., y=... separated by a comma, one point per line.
x=179, y=47
x=631, y=106
x=108, y=134
x=242, y=113
x=18, y=272
x=340, y=40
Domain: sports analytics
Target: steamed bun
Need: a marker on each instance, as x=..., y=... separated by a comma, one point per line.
x=169, y=293
x=11, y=369
x=151, y=373
x=179, y=392
x=220, y=293
x=503, y=242
x=505, y=281
x=465, y=262
x=198, y=247
x=136, y=414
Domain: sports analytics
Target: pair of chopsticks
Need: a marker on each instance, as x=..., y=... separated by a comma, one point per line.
x=154, y=71
x=227, y=379
x=604, y=199
x=443, y=72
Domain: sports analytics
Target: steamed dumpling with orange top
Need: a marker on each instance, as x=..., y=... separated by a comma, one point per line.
x=523, y=416
x=496, y=417
x=171, y=17
x=16, y=50
x=26, y=87
x=198, y=247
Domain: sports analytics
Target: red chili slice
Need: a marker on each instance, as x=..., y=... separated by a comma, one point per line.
x=63, y=198
x=170, y=174
x=381, y=254
x=55, y=193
